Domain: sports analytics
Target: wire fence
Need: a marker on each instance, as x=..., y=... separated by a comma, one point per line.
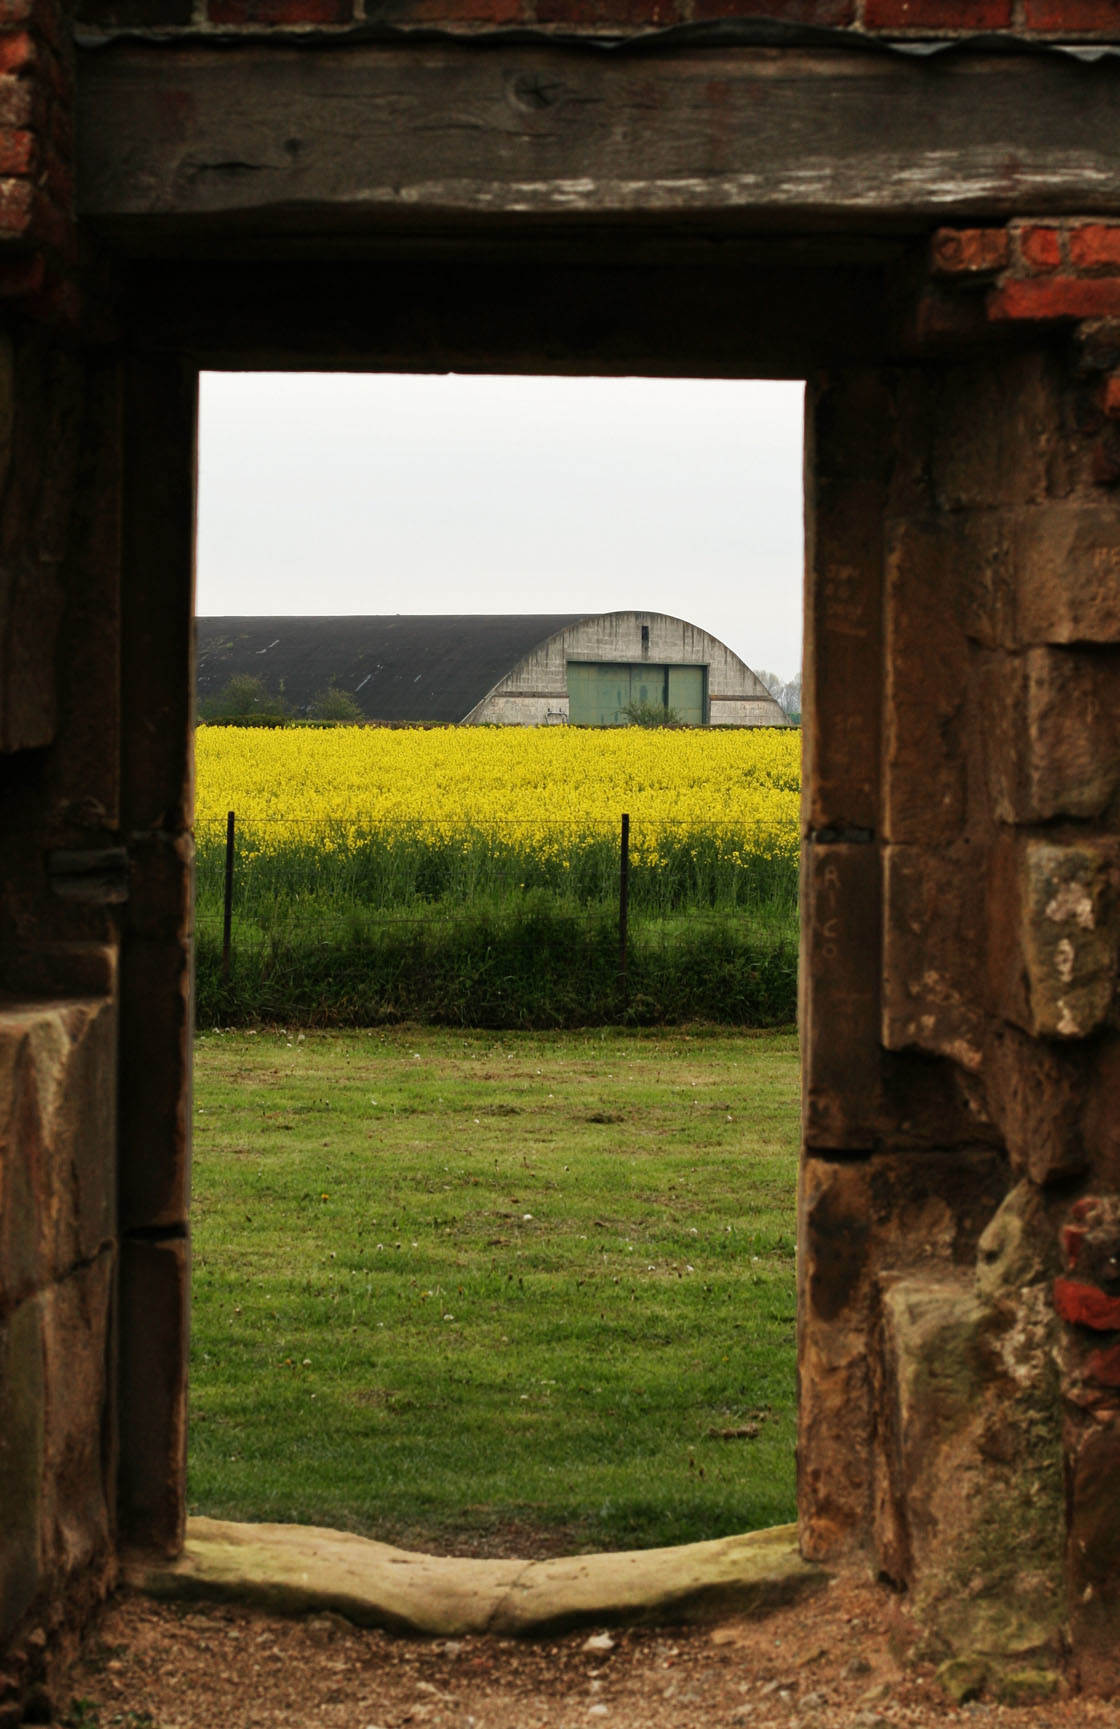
x=540, y=920
x=675, y=869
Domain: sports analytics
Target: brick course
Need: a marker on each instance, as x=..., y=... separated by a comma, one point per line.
x=1039, y=272
x=836, y=13
x=938, y=14
x=1060, y=19
x=281, y=12
x=1070, y=15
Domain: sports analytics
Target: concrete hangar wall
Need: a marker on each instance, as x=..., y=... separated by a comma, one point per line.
x=587, y=673
x=527, y=669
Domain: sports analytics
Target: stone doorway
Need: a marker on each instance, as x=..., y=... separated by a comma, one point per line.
x=959, y=1220
x=665, y=416
x=925, y=782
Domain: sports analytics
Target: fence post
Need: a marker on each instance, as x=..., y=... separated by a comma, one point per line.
x=227, y=908
x=623, y=907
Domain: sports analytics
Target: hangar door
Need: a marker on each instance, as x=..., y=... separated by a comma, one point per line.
x=599, y=692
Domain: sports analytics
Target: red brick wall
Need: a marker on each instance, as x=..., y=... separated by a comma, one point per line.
x=36, y=153
x=1036, y=271
x=1055, y=19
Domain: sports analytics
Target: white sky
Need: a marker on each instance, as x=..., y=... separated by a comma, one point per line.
x=344, y=493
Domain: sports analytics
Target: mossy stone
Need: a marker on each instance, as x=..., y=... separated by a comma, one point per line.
x=1026, y=1686
x=963, y=1678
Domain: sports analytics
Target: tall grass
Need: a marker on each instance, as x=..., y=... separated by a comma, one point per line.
x=670, y=873
x=473, y=930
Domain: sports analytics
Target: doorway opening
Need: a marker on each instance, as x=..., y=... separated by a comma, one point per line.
x=516, y=1278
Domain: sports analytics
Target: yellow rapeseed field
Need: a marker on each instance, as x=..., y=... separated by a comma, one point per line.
x=539, y=789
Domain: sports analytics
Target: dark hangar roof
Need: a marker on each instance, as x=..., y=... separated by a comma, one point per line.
x=399, y=669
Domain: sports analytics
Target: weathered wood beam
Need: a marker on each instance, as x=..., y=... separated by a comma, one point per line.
x=349, y=139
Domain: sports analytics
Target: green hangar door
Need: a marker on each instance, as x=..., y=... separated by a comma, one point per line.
x=599, y=692
x=688, y=693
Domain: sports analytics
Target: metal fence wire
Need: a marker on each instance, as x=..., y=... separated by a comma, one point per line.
x=313, y=902
x=319, y=876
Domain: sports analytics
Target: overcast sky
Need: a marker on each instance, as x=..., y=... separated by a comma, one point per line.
x=338, y=493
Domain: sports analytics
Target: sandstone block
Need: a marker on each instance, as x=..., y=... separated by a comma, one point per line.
x=1068, y=558
x=934, y=951
x=1101, y=1116
x=840, y=994
x=998, y=433
x=930, y=1207
x=74, y=969
x=1035, y=1093
x=1094, y=1551
x=1069, y=937
x=161, y=898
x=45, y=405
x=34, y=919
x=21, y=1460
x=929, y=1102
x=1052, y=730
x=909, y=489
x=157, y=650
x=964, y=1678
x=57, y=1139
x=31, y=603
x=973, y=555
x=154, y=1328
x=834, y=1458
x=83, y=1133
x=155, y=1085
x=836, y=1227
x=1016, y=1248
x=862, y=1222
x=83, y=775
x=975, y=1464
x=934, y=1361
x=22, y=1251
x=926, y=705
x=843, y=604
x=972, y=558
x=7, y=407
x=77, y=1420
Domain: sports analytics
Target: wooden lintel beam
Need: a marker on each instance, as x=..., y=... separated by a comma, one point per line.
x=346, y=140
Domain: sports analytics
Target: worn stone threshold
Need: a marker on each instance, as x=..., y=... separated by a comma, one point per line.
x=298, y=1568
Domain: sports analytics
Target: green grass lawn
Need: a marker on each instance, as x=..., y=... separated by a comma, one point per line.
x=495, y=1293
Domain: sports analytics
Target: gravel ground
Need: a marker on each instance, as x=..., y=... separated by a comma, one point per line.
x=840, y=1660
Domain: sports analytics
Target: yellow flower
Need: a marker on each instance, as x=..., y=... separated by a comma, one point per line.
x=539, y=790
